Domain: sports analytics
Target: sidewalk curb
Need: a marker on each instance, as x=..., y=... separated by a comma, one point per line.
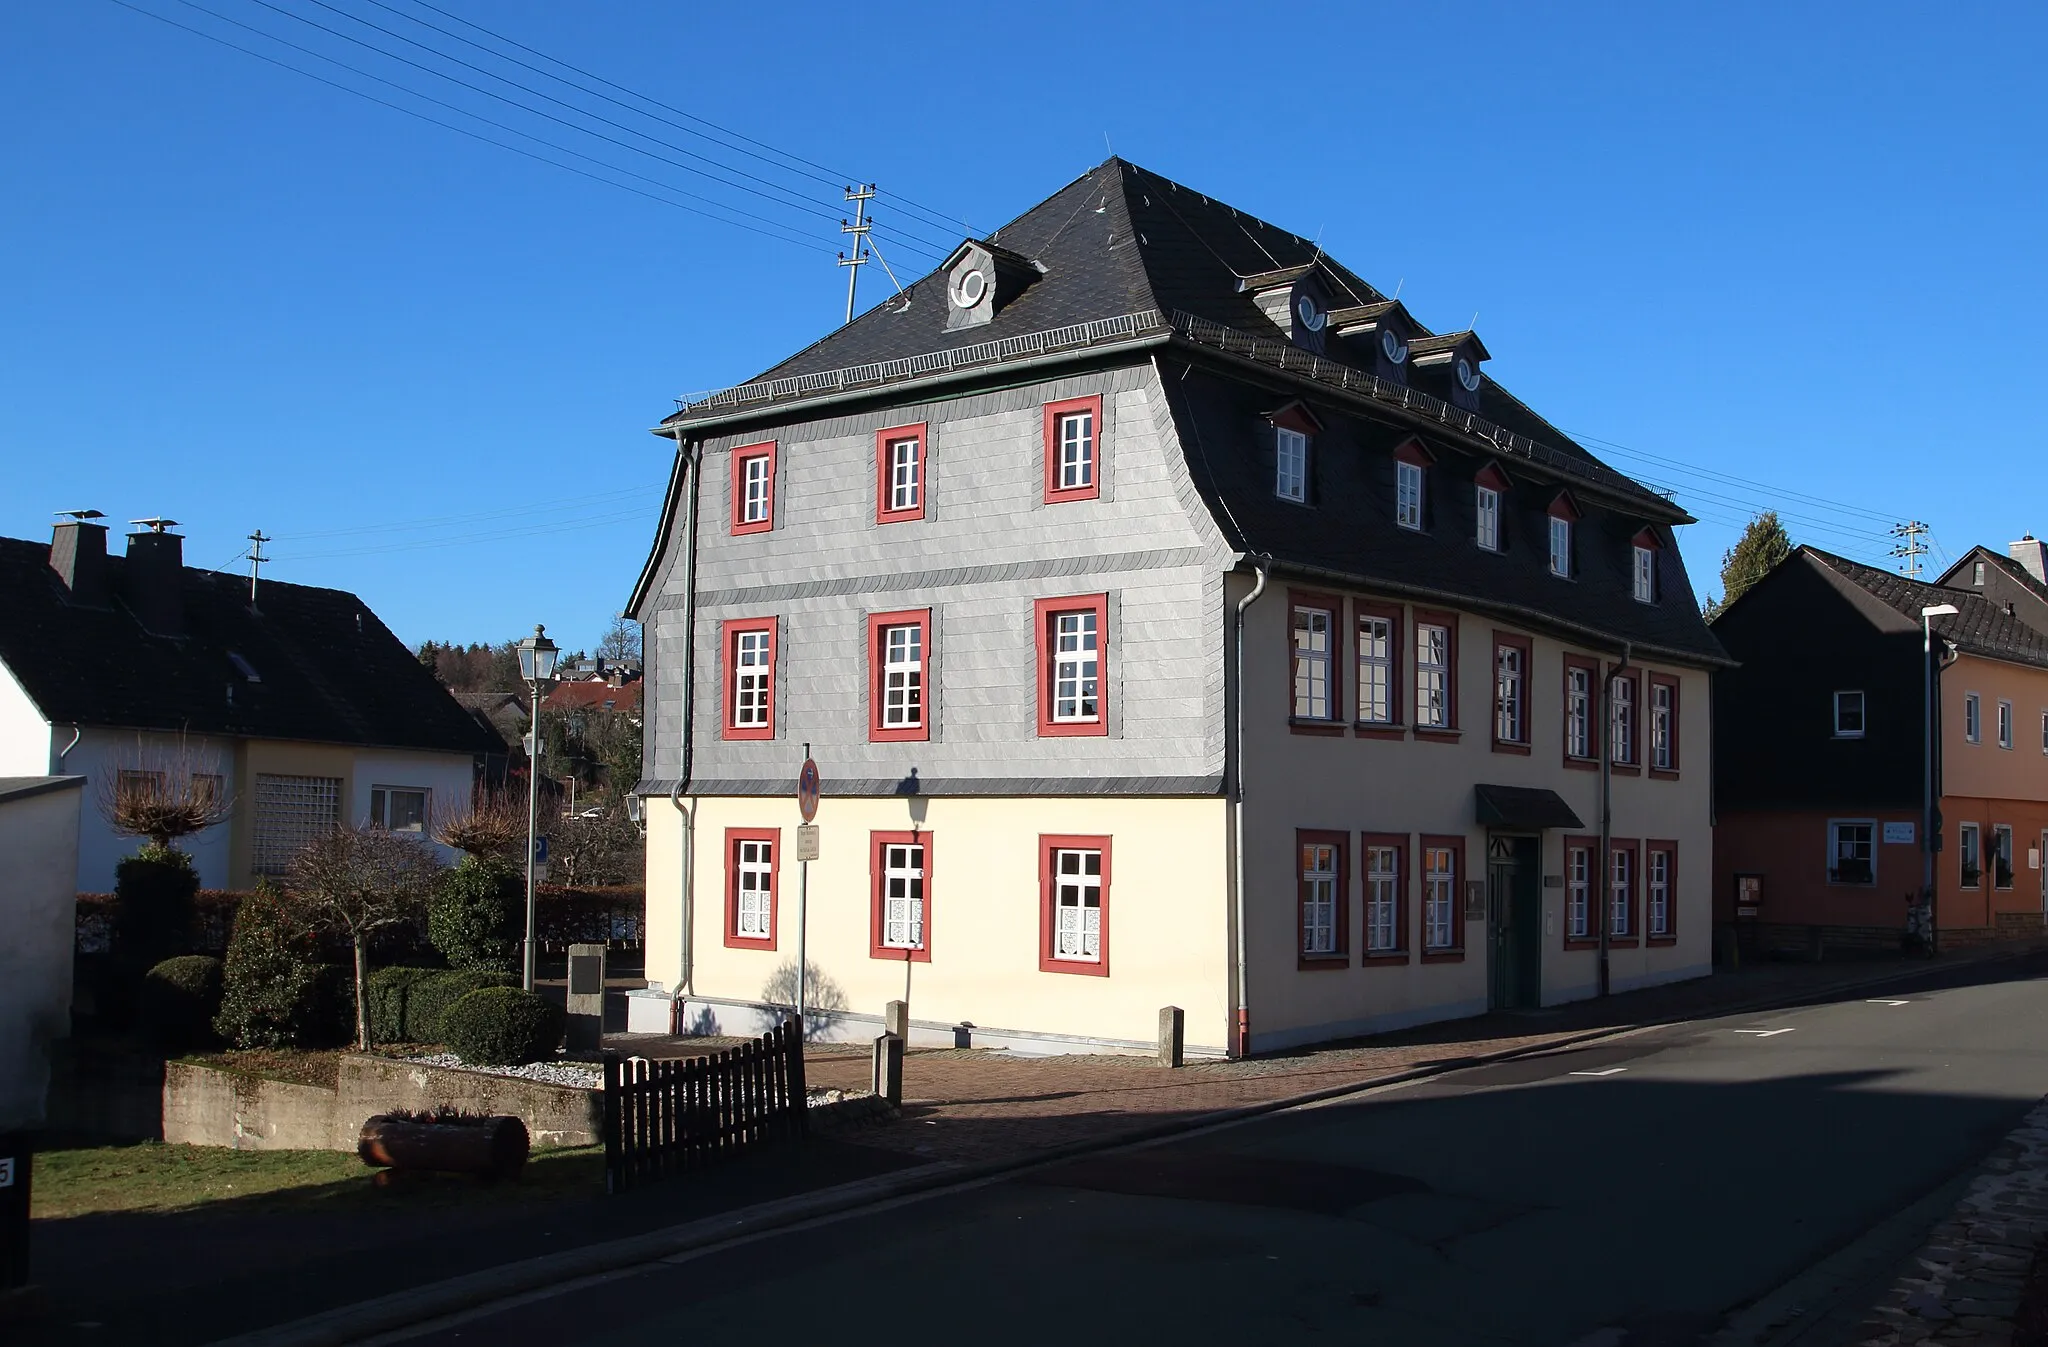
x=404, y=1309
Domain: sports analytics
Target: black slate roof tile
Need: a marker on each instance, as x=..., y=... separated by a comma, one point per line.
x=1979, y=627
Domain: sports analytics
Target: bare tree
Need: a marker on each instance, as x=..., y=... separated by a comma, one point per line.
x=164, y=793
x=608, y=849
x=358, y=881
x=492, y=824
x=621, y=639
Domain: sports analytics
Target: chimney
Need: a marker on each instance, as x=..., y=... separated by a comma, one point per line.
x=2028, y=553
x=78, y=553
x=155, y=581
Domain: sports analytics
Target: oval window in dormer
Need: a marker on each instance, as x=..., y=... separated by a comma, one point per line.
x=969, y=289
x=1468, y=375
x=1391, y=343
x=1311, y=317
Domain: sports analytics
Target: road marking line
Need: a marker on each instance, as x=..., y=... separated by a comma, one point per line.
x=1765, y=1033
x=1610, y=1071
x=1880, y=1001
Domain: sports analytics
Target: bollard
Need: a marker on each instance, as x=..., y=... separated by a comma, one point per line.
x=586, y=997
x=17, y=1156
x=889, y=1067
x=896, y=1019
x=1172, y=1035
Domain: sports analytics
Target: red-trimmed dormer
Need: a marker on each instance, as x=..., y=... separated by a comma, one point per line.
x=1489, y=497
x=1293, y=436
x=1412, y=462
x=1564, y=520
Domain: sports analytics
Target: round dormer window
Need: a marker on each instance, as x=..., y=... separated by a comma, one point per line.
x=1391, y=343
x=1311, y=317
x=1468, y=375
x=970, y=289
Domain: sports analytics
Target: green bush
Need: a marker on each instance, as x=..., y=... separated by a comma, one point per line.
x=502, y=1026
x=180, y=997
x=478, y=914
x=389, y=991
x=271, y=989
x=331, y=1022
x=153, y=903
x=427, y=1000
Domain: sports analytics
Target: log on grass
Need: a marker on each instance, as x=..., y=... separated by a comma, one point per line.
x=496, y=1146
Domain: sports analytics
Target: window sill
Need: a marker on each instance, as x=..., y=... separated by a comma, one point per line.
x=1511, y=746
x=1663, y=774
x=1446, y=736
x=1073, y=729
x=1622, y=942
x=1098, y=969
x=1624, y=769
x=738, y=734
x=1322, y=963
x=1377, y=729
x=1841, y=735
x=1444, y=956
x=890, y=954
x=1580, y=942
x=1386, y=958
x=1863, y=884
x=917, y=735
x=1310, y=725
x=1581, y=764
x=748, y=942
x=1660, y=941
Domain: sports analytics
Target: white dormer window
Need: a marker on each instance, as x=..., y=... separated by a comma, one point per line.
x=1489, y=518
x=1560, y=546
x=1408, y=495
x=1290, y=474
x=1646, y=575
x=1977, y=575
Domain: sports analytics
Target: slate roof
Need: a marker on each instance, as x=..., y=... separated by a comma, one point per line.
x=1979, y=627
x=327, y=670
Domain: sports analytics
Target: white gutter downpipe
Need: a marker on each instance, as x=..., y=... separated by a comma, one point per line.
x=1241, y=1038
x=693, y=458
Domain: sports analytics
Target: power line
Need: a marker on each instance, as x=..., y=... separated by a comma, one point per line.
x=1733, y=480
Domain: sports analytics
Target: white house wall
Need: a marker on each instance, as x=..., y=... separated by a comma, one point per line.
x=99, y=756
x=447, y=777
x=25, y=747
x=39, y=838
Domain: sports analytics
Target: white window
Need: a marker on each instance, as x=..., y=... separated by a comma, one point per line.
x=903, y=895
x=1970, y=854
x=1578, y=910
x=1382, y=899
x=750, y=677
x=1620, y=888
x=1290, y=481
x=754, y=487
x=1408, y=495
x=1977, y=575
x=1560, y=546
x=1659, y=916
x=1848, y=715
x=1439, y=898
x=906, y=486
x=902, y=677
x=1077, y=450
x=290, y=812
x=1076, y=666
x=754, y=896
x=1622, y=695
x=1432, y=676
x=1663, y=728
x=1578, y=713
x=1508, y=721
x=1646, y=575
x=1312, y=700
x=2005, y=724
x=1973, y=718
x=2001, y=856
x=1851, y=853
x=1489, y=518
x=1318, y=898
x=399, y=809
x=1376, y=674
x=1077, y=905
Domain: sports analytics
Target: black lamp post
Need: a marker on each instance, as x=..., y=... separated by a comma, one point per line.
x=537, y=655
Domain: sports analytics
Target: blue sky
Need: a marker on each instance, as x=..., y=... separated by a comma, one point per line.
x=1791, y=245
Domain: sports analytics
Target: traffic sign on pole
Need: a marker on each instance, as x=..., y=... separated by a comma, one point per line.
x=807, y=790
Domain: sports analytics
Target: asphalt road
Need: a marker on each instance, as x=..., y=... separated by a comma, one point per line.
x=1635, y=1192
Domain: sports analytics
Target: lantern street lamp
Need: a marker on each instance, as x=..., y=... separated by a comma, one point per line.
x=1927, y=616
x=537, y=656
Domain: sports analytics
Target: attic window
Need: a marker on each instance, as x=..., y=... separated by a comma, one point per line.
x=243, y=667
x=1977, y=575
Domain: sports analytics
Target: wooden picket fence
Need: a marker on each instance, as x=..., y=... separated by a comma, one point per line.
x=667, y=1117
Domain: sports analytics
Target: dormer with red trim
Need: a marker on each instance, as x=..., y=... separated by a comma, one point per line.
x=1563, y=544
x=1645, y=565
x=1379, y=336
x=1489, y=507
x=1291, y=441
x=1412, y=462
x=1458, y=355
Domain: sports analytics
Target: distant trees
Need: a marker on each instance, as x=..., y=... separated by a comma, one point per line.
x=1762, y=546
x=621, y=639
x=473, y=668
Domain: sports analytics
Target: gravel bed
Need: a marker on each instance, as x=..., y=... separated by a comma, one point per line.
x=581, y=1075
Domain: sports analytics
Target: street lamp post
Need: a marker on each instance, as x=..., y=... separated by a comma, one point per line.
x=1927, y=616
x=537, y=656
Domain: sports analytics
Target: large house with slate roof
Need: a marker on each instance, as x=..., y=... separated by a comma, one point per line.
x=1175, y=621
x=1821, y=742
x=303, y=705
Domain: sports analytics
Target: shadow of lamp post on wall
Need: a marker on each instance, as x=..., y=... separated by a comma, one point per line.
x=537, y=655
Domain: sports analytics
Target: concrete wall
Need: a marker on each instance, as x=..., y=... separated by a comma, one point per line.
x=1168, y=919
x=38, y=892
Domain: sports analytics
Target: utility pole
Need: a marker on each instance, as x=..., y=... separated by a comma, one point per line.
x=256, y=560
x=1909, y=549
x=859, y=228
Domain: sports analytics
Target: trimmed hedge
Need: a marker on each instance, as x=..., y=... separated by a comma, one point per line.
x=477, y=915
x=407, y=1004
x=179, y=999
x=153, y=904
x=389, y=991
x=502, y=1026
x=272, y=986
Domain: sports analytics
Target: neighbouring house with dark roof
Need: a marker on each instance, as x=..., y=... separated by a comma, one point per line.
x=1822, y=739
x=1175, y=621
x=296, y=701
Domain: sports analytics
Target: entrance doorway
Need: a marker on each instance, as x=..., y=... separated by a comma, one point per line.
x=1514, y=922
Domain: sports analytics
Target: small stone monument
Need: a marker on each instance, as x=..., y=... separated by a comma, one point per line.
x=586, y=997
x=1172, y=1035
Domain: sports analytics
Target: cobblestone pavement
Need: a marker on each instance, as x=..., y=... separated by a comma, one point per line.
x=969, y=1105
x=1965, y=1284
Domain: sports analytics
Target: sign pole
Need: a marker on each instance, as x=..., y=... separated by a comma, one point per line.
x=806, y=848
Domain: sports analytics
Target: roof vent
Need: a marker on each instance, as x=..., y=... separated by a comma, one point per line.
x=2028, y=552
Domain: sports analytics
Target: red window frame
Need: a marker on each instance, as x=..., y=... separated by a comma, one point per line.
x=1562, y=506
x=884, y=439
x=1655, y=681
x=1594, y=731
x=1334, y=606
x=878, y=733
x=1596, y=892
x=1054, y=493
x=733, y=838
x=1668, y=847
x=1634, y=848
x=1508, y=640
x=1396, y=620
x=1042, y=613
x=1455, y=844
x=1398, y=955
x=1341, y=956
x=1633, y=677
x=1048, y=894
x=877, y=843
x=729, y=632
x=1448, y=733
x=1411, y=451
x=740, y=456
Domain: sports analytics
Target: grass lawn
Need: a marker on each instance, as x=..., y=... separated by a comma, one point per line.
x=152, y=1176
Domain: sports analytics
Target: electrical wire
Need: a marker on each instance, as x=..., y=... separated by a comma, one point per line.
x=1733, y=480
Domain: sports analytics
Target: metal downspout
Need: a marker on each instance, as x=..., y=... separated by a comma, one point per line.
x=1241, y=1026
x=1604, y=893
x=693, y=458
